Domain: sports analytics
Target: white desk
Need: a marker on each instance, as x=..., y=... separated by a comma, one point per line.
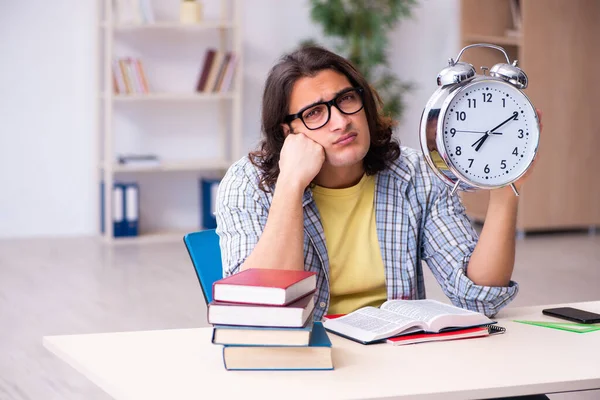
x=183, y=364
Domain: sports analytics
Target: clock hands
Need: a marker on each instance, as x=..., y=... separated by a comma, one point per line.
x=480, y=141
x=493, y=133
x=487, y=134
x=513, y=116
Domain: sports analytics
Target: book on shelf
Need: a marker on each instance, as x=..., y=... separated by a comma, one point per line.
x=265, y=286
x=414, y=338
x=217, y=86
x=292, y=315
x=133, y=11
x=399, y=317
x=263, y=335
x=206, y=67
x=515, y=12
x=145, y=160
x=315, y=356
x=129, y=76
x=213, y=73
x=225, y=84
x=217, y=71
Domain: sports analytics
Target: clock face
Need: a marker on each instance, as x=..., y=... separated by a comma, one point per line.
x=490, y=133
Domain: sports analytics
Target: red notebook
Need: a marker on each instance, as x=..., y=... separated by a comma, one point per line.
x=265, y=286
x=434, y=337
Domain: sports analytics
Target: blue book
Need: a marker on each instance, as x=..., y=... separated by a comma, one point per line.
x=262, y=335
x=315, y=356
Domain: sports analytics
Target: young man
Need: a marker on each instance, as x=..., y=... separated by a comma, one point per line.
x=331, y=191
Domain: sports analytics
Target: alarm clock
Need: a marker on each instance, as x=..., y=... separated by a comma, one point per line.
x=480, y=131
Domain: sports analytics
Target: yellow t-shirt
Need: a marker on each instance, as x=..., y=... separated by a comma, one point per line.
x=356, y=271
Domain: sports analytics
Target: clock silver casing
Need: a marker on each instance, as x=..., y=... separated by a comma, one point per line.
x=456, y=82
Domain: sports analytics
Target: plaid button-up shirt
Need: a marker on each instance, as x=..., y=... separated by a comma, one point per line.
x=416, y=217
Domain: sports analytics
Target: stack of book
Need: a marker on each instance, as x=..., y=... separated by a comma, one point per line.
x=264, y=320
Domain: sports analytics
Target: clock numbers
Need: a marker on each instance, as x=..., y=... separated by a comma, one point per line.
x=488, y=134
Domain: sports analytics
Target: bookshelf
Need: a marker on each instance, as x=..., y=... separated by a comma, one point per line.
x=555, y=46
x=122, y=116
x=172, y=96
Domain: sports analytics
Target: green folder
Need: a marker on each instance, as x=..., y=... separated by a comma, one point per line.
x=564, y=326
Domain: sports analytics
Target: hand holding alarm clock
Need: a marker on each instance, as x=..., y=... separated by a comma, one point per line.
x=480, y=131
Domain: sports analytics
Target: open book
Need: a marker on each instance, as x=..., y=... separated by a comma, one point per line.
x=400, y=317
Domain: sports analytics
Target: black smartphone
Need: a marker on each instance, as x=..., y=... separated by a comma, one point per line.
x=573, y=314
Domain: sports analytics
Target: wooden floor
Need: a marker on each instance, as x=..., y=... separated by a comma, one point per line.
x=80, y=285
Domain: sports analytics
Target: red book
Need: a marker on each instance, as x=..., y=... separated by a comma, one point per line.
x=208, y=60
x=434, y=337
x=265, y=286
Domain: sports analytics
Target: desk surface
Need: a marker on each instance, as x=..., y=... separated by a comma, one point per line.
x=183, y=364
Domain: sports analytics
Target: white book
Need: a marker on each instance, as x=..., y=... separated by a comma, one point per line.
x=229, y=73
x=147, y=11
x=398, y=317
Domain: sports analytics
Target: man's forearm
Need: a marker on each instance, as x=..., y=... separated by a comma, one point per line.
x=493, y=260
x=281, y=245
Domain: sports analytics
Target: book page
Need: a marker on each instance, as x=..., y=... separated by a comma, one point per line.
x=428, y=311
x=370, y=323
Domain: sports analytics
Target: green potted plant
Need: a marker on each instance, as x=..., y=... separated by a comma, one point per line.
x=359, y=30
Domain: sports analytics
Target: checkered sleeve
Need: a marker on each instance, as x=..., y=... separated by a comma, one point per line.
x=448, y=242
x=241, y=214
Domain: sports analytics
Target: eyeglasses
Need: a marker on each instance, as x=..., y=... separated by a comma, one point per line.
x=317, y=115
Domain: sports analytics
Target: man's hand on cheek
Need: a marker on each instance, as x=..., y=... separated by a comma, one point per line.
x=301, y=159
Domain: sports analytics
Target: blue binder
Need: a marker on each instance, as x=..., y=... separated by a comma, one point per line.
x=131, y=206
x=125, y=209
x=208, y=194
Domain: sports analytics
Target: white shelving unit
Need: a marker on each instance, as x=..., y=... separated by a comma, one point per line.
x=228, y=28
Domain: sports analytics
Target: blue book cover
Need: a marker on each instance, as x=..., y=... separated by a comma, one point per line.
x=315, y=356
x=238, y=335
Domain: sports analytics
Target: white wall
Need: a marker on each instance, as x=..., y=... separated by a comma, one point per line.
x=46, y=117
x=47, y=142
x=419, y=50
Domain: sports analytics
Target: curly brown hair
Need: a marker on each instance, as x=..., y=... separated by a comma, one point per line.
x=308, y=62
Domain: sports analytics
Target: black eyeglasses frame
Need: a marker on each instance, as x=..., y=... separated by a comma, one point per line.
x=333, y=102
